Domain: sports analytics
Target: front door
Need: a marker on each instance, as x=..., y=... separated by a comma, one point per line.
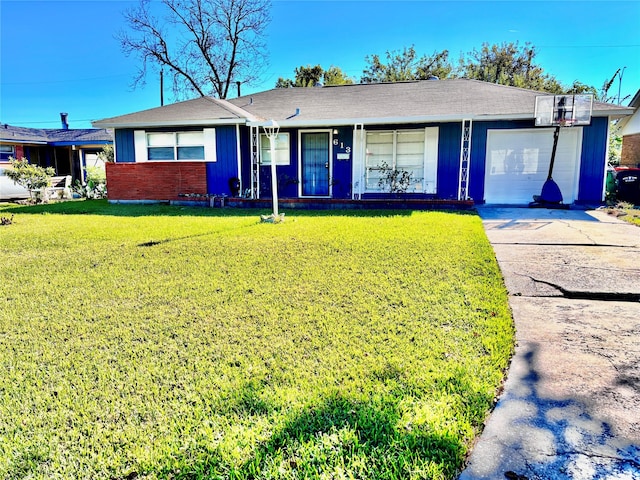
x=314, y=164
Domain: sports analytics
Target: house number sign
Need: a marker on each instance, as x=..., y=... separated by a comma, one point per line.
x=345, y=155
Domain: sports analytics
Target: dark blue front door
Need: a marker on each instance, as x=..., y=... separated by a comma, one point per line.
x=315, y=164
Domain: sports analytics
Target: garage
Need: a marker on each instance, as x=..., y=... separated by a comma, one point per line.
x=517, y=164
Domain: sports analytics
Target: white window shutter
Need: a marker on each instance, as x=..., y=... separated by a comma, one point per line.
x=140, y=145
x=431, y=160
x=209, y=135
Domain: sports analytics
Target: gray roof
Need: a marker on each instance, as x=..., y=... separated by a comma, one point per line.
x=51, y=136
x=200, y=111
x=401, y=102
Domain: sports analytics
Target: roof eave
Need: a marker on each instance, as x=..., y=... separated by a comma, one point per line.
x=21, y=141
x=168, y=123
x=79, y=143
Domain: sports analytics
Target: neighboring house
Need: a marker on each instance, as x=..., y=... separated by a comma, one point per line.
x=631, y=135
x=458, y=139
x=68, y=150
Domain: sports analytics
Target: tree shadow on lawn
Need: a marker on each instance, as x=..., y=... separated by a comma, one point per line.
x=102, y=207
x=336, y=434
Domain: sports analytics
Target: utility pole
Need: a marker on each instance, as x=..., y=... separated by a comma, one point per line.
x=621, y=72
x=161, y=86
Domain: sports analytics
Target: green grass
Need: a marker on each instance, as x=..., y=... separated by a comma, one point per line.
x=166, y=342
x=627, y=212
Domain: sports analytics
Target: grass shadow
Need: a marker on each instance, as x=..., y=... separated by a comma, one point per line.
x=336, y=437
x=103, y=207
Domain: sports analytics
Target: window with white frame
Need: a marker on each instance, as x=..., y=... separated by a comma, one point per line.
x=175, y=146
x=412, y=151
x=197, y=145
x=281, y=149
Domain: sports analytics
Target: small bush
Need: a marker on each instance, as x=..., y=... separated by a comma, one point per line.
x=95, y=185
x=32, y=177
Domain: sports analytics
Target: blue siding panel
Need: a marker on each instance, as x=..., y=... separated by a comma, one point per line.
x=245, y=155
x=449, y=135
x=125, y=146
x=593, y=161
x=226, y=165
x=342, y=169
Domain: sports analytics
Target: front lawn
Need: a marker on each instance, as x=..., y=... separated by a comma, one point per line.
x=165, y=342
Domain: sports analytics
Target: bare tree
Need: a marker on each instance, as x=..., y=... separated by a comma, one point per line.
x=206, y=45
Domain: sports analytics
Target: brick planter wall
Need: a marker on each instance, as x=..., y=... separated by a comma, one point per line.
x=155, y=180
x=630, y=150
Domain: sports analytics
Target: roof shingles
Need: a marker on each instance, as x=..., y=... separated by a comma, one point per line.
x=436, y=100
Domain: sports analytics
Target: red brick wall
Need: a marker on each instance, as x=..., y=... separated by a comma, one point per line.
x=155, y=180
x=630, y=150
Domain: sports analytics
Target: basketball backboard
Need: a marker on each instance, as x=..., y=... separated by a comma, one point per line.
x=563, y=110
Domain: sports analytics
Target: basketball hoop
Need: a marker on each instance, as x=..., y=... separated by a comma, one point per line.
x=565, y=123
x=558, y=111
x=563, y=110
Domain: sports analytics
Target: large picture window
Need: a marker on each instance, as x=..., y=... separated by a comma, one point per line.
x=412, y=151
x=281, y=149
x=197, y=145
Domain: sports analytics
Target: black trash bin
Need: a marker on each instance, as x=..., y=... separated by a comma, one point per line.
x=628, y=185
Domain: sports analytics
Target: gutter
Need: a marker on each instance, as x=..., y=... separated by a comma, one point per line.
x=423, y=119
x=254, y=121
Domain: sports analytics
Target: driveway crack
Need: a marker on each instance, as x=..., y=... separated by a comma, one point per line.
x=582, y=295
x=579, y=230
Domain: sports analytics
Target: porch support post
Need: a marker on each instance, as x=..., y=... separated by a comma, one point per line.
x=271, y=129
x=465, y=160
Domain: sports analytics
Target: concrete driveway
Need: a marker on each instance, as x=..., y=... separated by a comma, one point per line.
x=570, y=408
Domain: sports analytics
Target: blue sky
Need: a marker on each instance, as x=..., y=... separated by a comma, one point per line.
x=62, y=56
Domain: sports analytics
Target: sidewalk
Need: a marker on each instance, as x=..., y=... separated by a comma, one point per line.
x=571, y=403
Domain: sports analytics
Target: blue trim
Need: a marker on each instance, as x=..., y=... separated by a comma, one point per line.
x=593, y=161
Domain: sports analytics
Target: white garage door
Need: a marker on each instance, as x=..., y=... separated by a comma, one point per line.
x=518, y=164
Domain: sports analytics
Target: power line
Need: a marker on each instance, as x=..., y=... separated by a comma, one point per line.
x=588, y=46
x=71, y=80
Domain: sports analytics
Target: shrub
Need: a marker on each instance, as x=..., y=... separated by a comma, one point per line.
x=95, y=186
x=33, y=177
x=396, y=181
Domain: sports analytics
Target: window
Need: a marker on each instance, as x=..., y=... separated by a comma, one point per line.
x=175, y=146
x=411, y=151
x=7, y=151
x=196, y=145
x=281, y=149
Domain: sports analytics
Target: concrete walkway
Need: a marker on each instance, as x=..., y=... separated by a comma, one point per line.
x=570, y=408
